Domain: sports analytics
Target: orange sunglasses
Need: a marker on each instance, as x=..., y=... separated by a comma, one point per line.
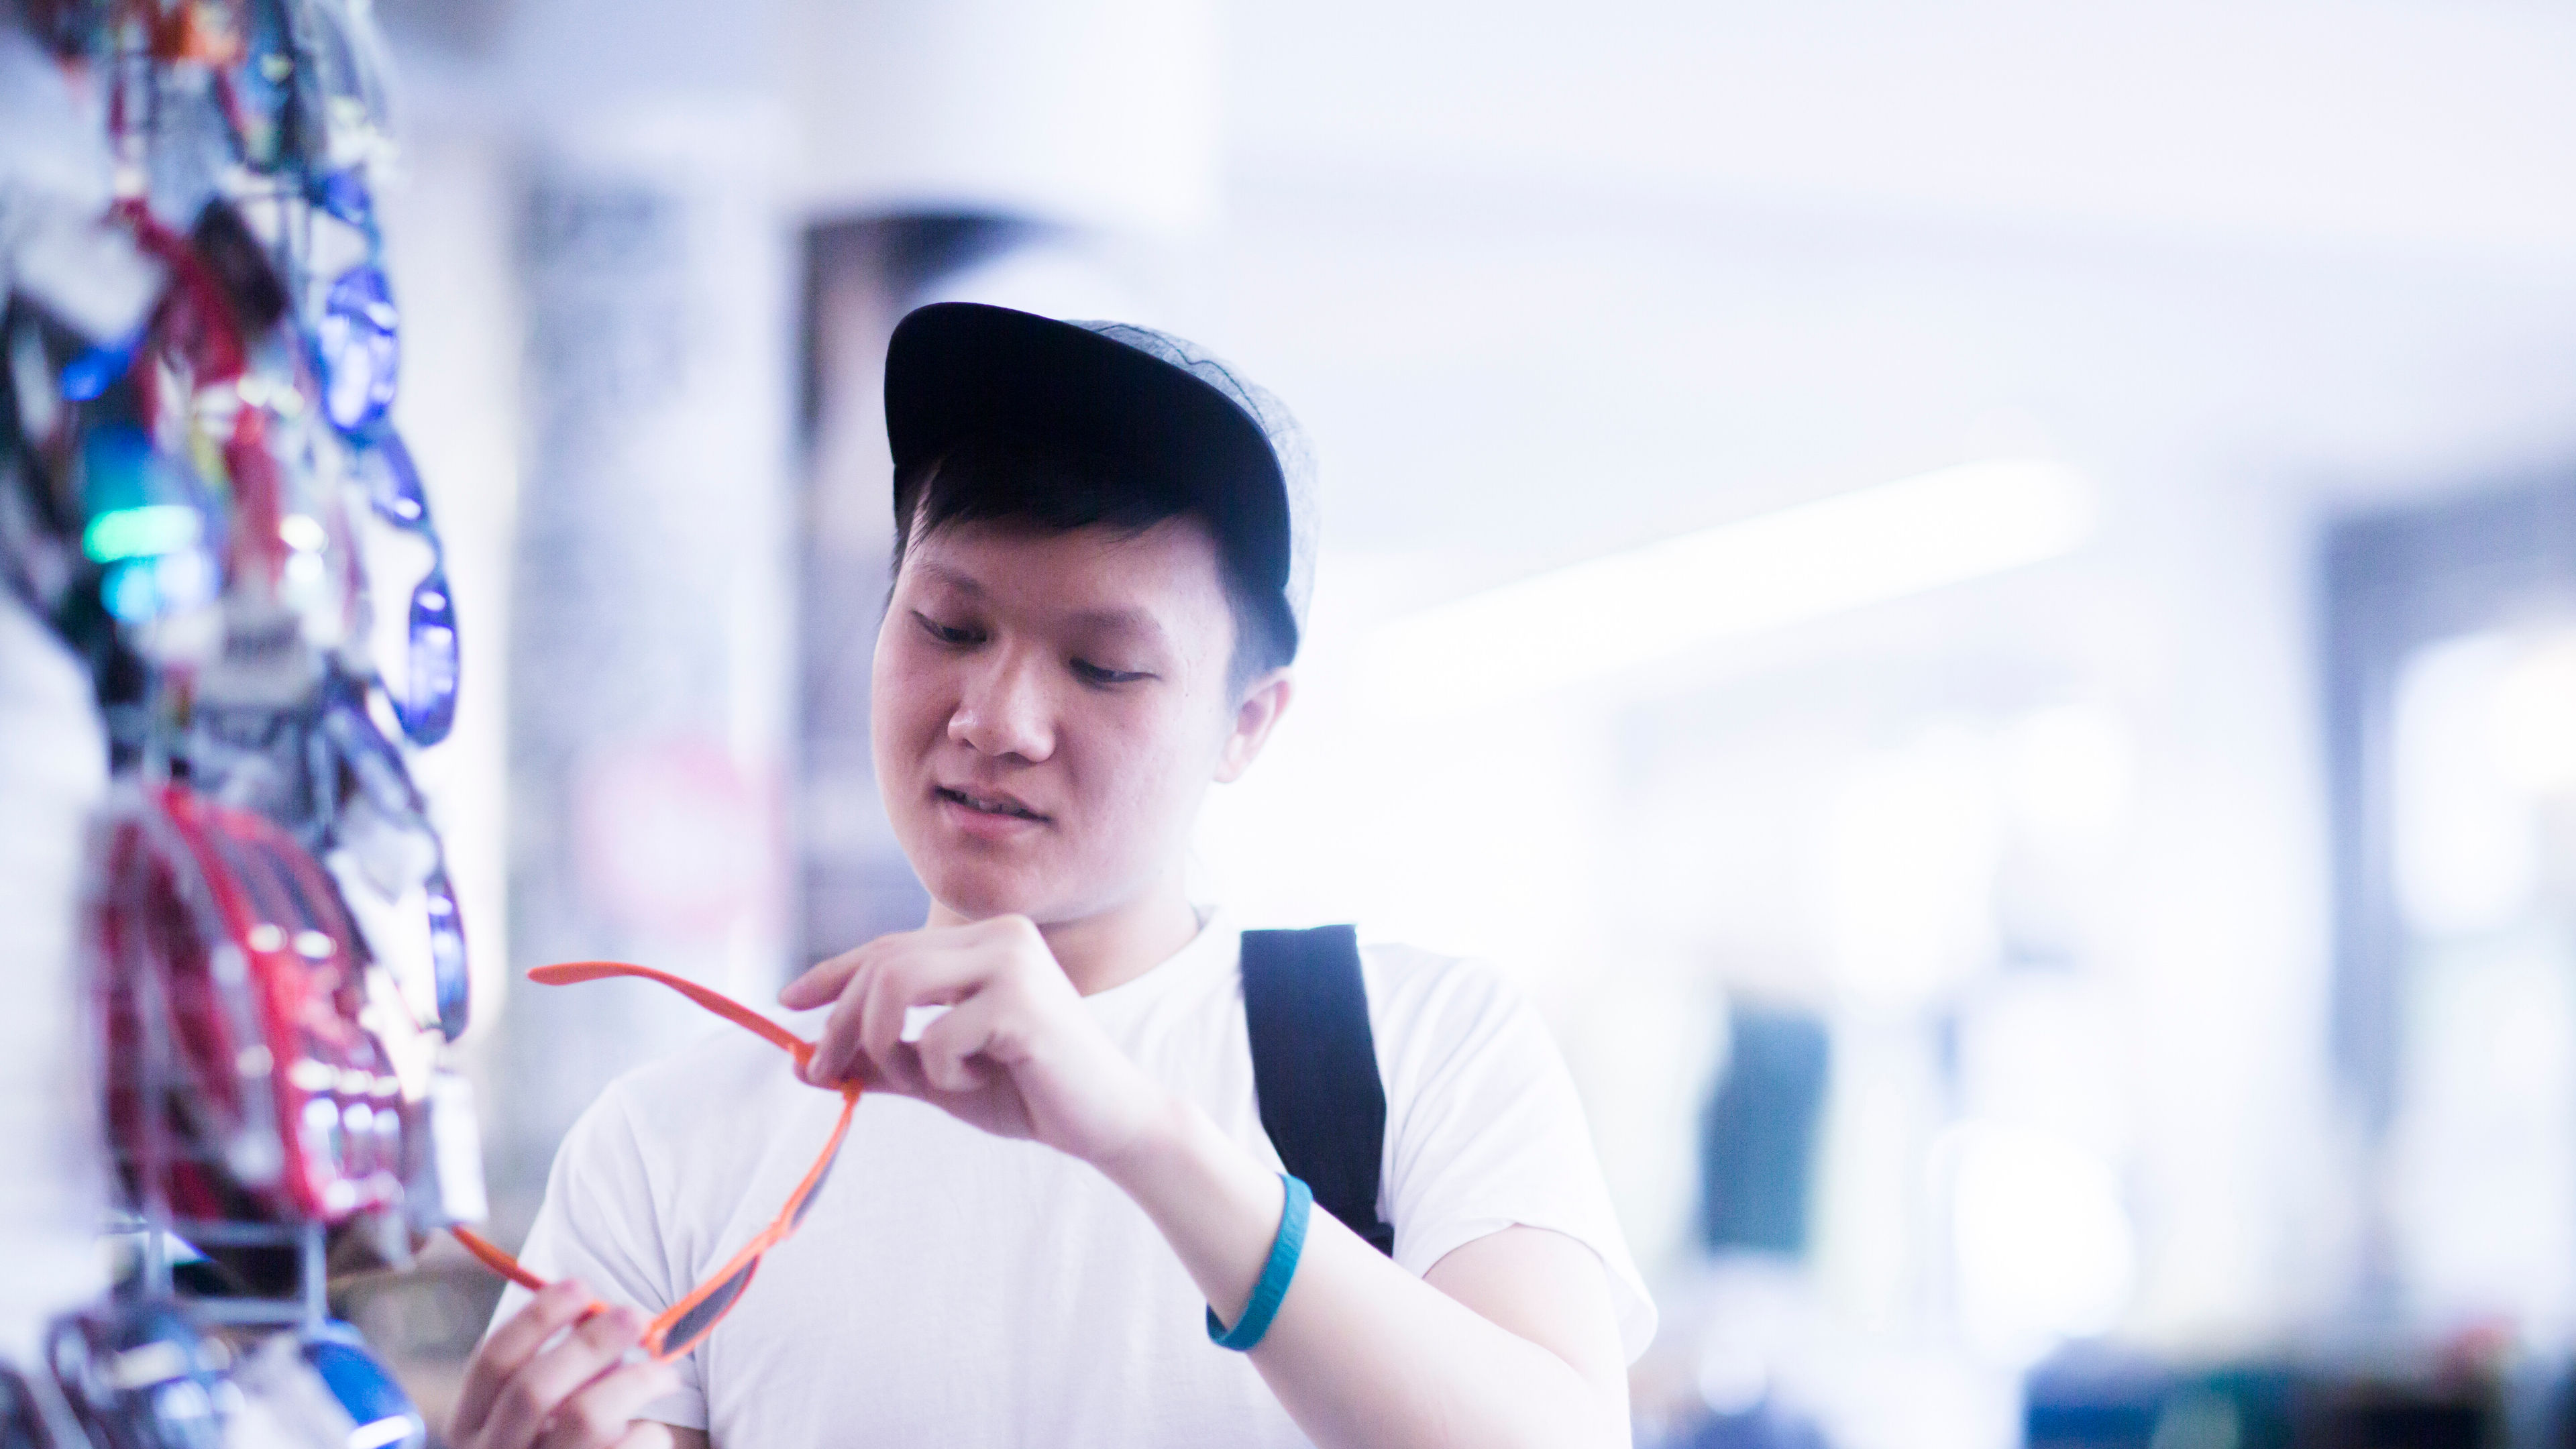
x=682, y=1326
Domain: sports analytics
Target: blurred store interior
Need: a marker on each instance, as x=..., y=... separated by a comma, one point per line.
x=1981, y=600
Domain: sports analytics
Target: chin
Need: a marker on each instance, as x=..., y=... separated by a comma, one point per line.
x=978, y=891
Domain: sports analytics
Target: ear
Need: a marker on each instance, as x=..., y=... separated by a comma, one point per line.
x=1262, y=705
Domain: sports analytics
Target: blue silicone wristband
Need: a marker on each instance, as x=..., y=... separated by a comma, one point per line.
x=1285, y=1249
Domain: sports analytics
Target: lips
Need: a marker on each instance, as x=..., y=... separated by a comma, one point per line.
x=998, y=804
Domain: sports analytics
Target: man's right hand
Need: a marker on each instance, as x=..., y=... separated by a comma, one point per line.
x=533, y=1386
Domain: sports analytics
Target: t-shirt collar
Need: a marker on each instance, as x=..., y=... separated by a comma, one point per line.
x=1216, y=947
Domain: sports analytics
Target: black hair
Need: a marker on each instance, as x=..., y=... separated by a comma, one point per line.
x=1057, y=488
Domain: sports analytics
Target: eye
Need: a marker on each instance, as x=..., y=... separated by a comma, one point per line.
x=1091, y=673
x=948, y=634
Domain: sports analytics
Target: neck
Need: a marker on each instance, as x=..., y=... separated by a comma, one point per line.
x=1115, y=946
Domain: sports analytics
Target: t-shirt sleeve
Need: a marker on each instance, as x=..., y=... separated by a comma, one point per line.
x=599, y=1223
x=1484, y=1130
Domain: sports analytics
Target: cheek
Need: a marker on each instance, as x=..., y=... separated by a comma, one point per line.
x=1157, y=766
x=908, y=698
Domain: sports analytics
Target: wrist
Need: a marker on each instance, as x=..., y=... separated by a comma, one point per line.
x=1218, y=1206
x=1164, y=1135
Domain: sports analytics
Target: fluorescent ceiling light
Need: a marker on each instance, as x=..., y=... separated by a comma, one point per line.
x=1610, y=614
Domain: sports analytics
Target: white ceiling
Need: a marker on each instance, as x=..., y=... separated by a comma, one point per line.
x=1695, y=259
x=2412, y=126
x=2408, y=125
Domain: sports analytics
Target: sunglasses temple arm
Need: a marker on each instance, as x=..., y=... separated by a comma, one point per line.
x=565, y=973
x=493, y=1258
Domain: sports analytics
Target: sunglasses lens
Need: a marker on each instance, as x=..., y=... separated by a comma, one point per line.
x=382, y=1411
x=393, y=481
x=371, y=760
x=22, y=1424
x=694, y=1324
x=807, y=1205
x=138, y=1375
x=427, y=703
x=447, y=957
x=344, y=195
x=360, y=340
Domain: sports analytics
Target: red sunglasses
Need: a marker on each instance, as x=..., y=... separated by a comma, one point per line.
x=682, y=1326
x=249, y=1085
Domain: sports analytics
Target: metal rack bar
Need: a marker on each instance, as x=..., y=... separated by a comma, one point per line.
x=310, y=1307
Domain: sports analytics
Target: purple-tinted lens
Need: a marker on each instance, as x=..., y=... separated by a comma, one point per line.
x=89, y=376
x=393, y=483
x=138, y=1374
x=383, y=1412
x=427, y=702
x=697, y=1322
x=360, y=341
x=369, y=756
x=447, y=957
x=807, y=1205
x=344, y=195
x=381, y=774
x=22, y=1423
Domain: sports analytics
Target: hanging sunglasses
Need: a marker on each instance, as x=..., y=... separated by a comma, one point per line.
x=300, y=83
x=356, y=329
x=22, y=1418
x=382, y=1413
x=384, y=819
x=139, y=1375
x=328, y=773
x=426, y=702
x=70, y=28
x=246, y=1086
x=192, y=370
x=685, y=1324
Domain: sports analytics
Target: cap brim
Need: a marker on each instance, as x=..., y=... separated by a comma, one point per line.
x=961, y=370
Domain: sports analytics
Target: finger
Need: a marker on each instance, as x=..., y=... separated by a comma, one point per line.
x=862, y=1040
x=824, y=979
x=542, y=1384
x=838, y=1056
x=509, y=1347
x=891, y=990
x=945, y=973
x=600, y=1413
x=951, y=1049
x=646, y=1434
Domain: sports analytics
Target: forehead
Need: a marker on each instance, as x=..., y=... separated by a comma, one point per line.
x=1167, y=575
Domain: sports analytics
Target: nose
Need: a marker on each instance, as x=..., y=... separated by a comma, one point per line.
x=1004, y=710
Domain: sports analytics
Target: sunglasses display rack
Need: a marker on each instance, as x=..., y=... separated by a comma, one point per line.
x=203, y=493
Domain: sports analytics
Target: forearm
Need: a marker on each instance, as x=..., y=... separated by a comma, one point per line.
x=1361, y=1351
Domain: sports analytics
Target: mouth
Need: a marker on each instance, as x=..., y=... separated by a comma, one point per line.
x=996, y=803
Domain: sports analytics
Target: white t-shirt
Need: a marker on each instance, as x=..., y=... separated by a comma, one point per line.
x=950, y=1287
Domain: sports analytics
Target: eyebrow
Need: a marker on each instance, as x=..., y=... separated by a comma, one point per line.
x=1120, y=621
x=1126, y=621
x=962, y=582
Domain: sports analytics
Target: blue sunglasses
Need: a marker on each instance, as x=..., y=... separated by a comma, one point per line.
x=426, y=703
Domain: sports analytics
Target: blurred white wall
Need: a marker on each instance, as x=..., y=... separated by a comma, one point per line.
x=1101, y=114
x=1546, y=287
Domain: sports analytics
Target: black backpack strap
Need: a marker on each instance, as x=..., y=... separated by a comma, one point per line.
x=1314, y=1068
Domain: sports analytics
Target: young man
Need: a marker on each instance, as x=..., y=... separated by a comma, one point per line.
x=1104, y=549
